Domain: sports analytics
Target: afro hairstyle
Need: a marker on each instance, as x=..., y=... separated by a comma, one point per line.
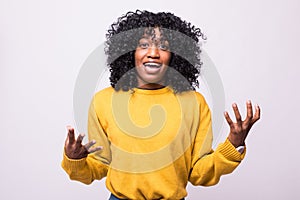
x=122, y=40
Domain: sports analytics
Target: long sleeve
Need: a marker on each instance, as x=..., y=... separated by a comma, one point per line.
x=95, y=166
x=85, y=170
x=160, y=166
x=208, y=165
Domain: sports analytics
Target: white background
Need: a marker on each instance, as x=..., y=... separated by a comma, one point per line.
x=254, y=45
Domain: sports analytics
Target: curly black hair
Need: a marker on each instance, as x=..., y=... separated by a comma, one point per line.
x=122, y=39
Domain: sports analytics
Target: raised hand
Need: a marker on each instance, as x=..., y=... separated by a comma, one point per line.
x=74, y=149
x=240, y=129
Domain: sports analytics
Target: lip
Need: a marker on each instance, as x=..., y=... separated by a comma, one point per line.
x=152, y=64
x=152, y=67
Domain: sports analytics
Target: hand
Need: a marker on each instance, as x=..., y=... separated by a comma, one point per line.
x=74, y=149
x=240, y=129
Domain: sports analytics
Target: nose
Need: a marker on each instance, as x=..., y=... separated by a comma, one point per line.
x=153, y=52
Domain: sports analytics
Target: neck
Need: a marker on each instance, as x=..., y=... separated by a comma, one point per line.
x=151, y=86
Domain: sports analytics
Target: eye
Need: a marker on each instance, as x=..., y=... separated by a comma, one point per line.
x=164, y=47
x=144, y=45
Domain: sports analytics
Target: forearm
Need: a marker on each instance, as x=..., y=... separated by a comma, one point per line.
x=85, y=170
x=208, y=169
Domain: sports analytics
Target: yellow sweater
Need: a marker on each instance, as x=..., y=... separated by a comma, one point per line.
x=154, y=142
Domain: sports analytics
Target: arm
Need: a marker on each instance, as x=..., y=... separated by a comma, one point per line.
x=208, y=165
x=85, y=163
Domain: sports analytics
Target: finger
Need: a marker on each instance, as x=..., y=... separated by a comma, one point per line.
x=79, y=138
x=71, y=136
x=89, y=144
x=249, y=112
x=256, y=115
x=228, y=119
x=92, y=150
x=237, y=113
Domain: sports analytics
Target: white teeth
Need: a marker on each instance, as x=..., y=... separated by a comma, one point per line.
x=150, y=64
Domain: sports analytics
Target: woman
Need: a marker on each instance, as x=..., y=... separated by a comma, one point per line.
x=150, y=132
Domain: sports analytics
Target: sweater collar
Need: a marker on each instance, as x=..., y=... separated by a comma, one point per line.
x=153, y=91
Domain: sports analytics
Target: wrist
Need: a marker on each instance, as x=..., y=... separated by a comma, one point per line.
x=236, y=143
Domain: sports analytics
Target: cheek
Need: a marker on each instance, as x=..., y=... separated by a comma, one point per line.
x=138, y=57
x=166, y=58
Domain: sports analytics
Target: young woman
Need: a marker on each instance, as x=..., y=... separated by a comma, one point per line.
x=150, y=132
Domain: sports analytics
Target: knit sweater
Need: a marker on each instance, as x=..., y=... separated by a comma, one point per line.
x=154, y=142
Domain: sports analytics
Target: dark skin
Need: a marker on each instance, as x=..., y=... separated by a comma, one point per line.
x=239, y=130
x=74, y=148
x=238, y=133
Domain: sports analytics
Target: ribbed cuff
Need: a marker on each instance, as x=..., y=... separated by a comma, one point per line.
x=230, y=152
x=73, y=164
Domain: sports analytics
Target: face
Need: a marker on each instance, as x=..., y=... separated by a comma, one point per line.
x=152, y=57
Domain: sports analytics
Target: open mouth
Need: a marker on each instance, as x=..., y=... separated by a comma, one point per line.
x=152, y=68
x=152, y=65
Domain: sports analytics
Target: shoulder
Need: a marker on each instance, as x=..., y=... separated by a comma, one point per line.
x=200, y=97
x=102, y=97
x=194, y=94
x=101, y=103
x=104, y=92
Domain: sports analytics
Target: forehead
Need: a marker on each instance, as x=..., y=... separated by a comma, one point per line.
x=153, y=33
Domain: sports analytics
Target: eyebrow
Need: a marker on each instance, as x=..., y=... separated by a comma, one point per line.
x=153, y=39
